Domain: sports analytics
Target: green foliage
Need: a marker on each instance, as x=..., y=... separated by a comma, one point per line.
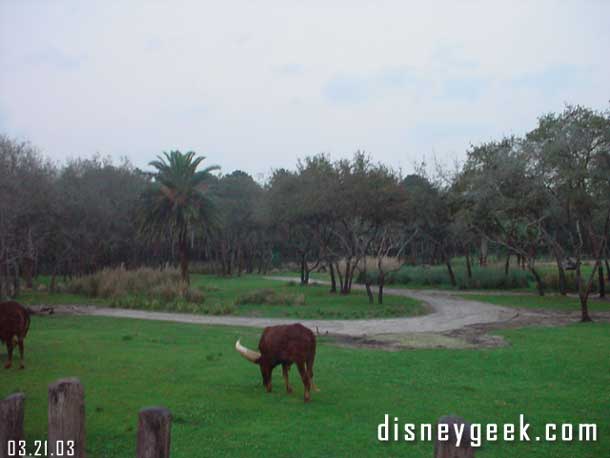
x=551, y=281
x=176, y=202
x=438, y=277
x=220, y=409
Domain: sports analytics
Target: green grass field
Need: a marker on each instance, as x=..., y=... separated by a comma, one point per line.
x=220, y=408
x=221, y=294
x=549, y=301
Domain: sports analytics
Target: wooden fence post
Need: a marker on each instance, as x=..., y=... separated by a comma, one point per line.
x=11, y=422
x=154, y=428
x=449, y=449
x=67, y=417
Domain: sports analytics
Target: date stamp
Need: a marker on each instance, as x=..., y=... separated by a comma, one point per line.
x=41, y=448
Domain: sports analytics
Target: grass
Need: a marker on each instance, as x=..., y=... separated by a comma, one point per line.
x=549, y=301
x=230, y=296
x=220, y=408
x=318, y=302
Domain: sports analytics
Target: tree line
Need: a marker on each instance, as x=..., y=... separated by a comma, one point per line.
x=546, y=193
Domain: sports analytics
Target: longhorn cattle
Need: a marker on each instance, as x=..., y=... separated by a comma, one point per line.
x=14, y=326
x=285, y=345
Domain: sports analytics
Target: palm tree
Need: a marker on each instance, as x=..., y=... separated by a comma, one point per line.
x=176, y=201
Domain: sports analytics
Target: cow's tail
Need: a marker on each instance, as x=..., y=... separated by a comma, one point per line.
x=310, y=360
x=27, y=322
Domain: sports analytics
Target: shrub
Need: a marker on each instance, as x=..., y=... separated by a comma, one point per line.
x=551, y=281
x=494, y=278
x=269, y=296
x=121, y=285
x=437, y=276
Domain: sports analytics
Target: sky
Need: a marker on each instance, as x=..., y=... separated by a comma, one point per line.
x=255, y=85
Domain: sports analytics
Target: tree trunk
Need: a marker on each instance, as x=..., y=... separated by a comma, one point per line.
x=28, y=271
x=484, y=248
x=539, y=284
x=584, y=308
x=607, y=269
x=369, y=293
x=346, y=281
x=563, y=289
x=53, y=280
x=451, y=274
x=333, y=280
x=340, y=275
x=381, y=284
x=468, y=265
x=507, y=264
x=602, y=283
x=304, y=270
x=183, y=251
x=16, y=282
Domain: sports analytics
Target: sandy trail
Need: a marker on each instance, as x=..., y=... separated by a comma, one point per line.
x=447, y=313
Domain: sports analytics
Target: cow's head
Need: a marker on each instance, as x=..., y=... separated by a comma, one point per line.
x=255, y=357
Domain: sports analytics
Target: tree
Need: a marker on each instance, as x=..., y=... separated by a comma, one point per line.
x=175, y=203
x=505, y=196
x=238, y=242
x=571, y=152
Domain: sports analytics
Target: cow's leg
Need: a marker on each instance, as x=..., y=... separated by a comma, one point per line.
x=285, y=370
x=9, y=348
x=305, y=378
x=266, y=372
x=310, y=373
x=21, y=354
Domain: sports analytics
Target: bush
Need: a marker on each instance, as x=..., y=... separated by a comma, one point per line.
x=143, y=284
x=551, y=281
x=437, y=276
x=269, y=297
x=491, y=278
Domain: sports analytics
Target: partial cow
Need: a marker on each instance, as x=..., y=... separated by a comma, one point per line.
x=284, y=345
x=14, y=326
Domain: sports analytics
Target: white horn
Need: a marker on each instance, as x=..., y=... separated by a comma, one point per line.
x=250, y=355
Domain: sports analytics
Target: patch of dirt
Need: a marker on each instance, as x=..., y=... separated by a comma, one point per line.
x=473, y=336
x=420, y=340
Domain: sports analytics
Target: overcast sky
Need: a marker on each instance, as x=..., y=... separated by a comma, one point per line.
x=254, y=85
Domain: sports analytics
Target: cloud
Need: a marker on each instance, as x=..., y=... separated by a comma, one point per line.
x=346, y=89
x=464, y=88
x=3, y=121
x=256, y=87
x=554, y=79
x=54, y=57
x=290, y=69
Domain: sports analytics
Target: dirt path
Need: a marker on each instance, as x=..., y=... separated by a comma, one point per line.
x=448, y=313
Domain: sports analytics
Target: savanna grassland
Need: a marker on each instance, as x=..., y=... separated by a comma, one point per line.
x=220, y=408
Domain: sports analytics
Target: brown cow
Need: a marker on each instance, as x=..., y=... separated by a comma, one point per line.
x=284, y=345
x=14, y=325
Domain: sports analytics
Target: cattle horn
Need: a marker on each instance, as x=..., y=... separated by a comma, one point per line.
x=250, y=355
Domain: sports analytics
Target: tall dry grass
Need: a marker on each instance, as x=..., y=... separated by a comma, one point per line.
x=164, y=284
